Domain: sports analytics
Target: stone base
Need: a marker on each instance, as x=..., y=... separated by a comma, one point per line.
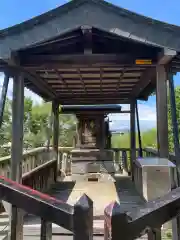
x=93, y=168
x=89, y=160
x=93, y=177
x=91, y=154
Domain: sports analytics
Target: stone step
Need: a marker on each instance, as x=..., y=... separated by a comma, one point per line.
x=4, y=225
x=3, y=237
x=4, y=215
x=4, y=221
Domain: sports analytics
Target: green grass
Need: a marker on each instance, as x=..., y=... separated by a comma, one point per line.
x=149, y=139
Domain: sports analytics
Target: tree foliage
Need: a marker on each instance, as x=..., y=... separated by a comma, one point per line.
x=36, y=126
x=170, y=130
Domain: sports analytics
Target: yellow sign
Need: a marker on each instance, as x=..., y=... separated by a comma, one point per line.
x=143, y=62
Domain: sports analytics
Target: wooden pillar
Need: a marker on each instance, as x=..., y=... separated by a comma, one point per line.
x=140, y=153
x=162, y=111
x=55, y=107
x=46, y=230
x=46, y=227
x=16, y=222
x=132, y=138
x=3, y=97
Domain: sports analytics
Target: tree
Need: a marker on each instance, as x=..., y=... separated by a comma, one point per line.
x=36, y=126
x=170, y=130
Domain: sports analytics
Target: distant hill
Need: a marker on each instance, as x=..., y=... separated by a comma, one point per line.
x=124, y=125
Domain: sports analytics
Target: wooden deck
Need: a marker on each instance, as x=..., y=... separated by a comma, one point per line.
x=119, y=188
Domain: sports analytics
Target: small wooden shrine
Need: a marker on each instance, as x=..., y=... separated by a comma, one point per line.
x=92, y=140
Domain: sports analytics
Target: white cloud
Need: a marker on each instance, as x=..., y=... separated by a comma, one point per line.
x=146, y=113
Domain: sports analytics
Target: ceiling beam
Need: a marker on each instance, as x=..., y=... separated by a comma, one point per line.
x=81, y=79
x=60, y=78
x=94, y=95
x=110, y=91
x=47, y=60
x=165, y=56
x=87, y=78
x=144, y=81
x=120, y=79
x=35, y=79
x=94, y=101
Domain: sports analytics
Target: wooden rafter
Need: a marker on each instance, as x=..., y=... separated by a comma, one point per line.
x=101, y=79
x=82, y=81
x=62, y=80
x=120, y=79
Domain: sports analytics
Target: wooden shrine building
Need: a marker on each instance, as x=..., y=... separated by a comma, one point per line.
x=90, y=52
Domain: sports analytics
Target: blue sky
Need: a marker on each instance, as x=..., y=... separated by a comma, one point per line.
x=15, y=11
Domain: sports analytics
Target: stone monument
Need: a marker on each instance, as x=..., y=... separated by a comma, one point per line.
x=92, y=138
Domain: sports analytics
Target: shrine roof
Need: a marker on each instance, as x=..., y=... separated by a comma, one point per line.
x=108, y=108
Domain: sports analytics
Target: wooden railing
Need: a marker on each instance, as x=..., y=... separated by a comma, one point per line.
x=146, y=219
x=39, y=168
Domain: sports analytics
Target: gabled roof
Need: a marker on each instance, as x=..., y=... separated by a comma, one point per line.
x=95, y=13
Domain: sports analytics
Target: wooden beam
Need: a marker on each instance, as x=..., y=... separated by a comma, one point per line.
x=165, y=56
x=50, y=60
x=39, y=84
x=162, y=111
x=93, y=101
x=132, y=138
x=92, y=90
x=37, y=81
x=101, y=77
x=92, y=96
x=55, y=107
x=90, y=70
x=81, y=79
x=46, y=230
x=3, y=97
x=147, y=76
x=62, y=80
x=120, y=79
x=84, y=66
x=16, y=223
x=87, y=39
x=96, y=79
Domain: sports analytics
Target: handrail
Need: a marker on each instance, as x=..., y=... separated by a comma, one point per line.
x=135, y=224
x=77, y=218
x=154, y=152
